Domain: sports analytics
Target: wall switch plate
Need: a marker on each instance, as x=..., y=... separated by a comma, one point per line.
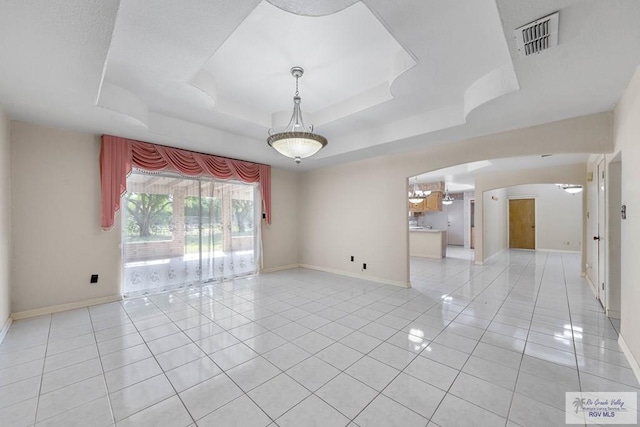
x=94, y=278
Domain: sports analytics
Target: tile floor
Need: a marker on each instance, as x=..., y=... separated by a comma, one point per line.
x=496, y=345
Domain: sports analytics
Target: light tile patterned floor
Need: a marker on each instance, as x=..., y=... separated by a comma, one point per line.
x=494, y=345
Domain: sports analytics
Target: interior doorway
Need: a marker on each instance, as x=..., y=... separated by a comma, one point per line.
x=522, y=223
x=472, y=227
x=600, y=237
x=455, y=223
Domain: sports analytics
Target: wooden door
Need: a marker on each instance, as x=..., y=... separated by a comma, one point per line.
x=522, y=223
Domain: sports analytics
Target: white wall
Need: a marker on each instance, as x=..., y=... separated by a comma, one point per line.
x=5, y=221
x=437, y=220
x=57, y=240
x=558, y=216
x=495, y=222
x=441, y=220
x=627, y=143
x=360, y=208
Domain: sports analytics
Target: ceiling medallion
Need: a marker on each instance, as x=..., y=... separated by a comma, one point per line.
x=295, y=140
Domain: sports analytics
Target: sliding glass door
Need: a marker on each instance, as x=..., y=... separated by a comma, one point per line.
x=179, y=231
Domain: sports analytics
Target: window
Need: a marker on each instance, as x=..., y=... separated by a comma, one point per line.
x=178, y=231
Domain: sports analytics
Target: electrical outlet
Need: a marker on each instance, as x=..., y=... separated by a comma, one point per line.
x=94, y=278
x=353, y=258
x=364, y=266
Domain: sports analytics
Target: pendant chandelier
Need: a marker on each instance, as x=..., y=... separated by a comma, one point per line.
x=295, y=140
x=417, y=196
x=570, y=188
x=447, y=198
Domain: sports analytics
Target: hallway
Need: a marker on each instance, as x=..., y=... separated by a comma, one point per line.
x=491, y=345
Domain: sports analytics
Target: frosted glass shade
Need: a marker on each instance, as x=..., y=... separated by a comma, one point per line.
x=573, y=189
x=570, y=188
x=297, y=144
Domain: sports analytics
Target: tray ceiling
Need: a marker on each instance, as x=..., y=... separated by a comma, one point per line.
x=380, y=76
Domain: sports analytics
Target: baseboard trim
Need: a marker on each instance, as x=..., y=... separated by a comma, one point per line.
x=5, y=329
x=629, y=355
x=428, y=256
x=356, y=276
x=492, y=256
x=558, y=250
x=283, y=267
x=615, y=314
x=64, y=307
x=592, y=286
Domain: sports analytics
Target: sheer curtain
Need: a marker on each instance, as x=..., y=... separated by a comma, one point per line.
x=229, y=229
x=179, y=231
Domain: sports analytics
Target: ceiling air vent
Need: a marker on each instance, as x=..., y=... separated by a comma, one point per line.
x=538, y=35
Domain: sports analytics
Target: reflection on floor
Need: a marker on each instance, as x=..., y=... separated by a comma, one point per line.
x=459, y=252
x=490, y=345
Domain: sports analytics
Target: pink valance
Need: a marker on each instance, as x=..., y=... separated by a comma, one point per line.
x=119, y=155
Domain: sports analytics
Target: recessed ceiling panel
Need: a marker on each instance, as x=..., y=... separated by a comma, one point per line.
x=347, y=55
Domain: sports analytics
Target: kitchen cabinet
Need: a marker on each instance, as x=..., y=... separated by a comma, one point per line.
x=433, y=203
x=417, y=207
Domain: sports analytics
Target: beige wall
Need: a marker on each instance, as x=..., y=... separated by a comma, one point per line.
x=354, y=209
x=360, y=208
x=280, y=238
x=5, y=221
x=494, y=222
x=614, y=240
x=627, y=143
x=558, y=216
x=57, y=240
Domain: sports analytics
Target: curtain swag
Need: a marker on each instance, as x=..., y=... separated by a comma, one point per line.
x=118, y=156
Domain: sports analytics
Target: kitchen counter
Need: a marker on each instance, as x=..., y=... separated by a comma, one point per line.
x=427, y=243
